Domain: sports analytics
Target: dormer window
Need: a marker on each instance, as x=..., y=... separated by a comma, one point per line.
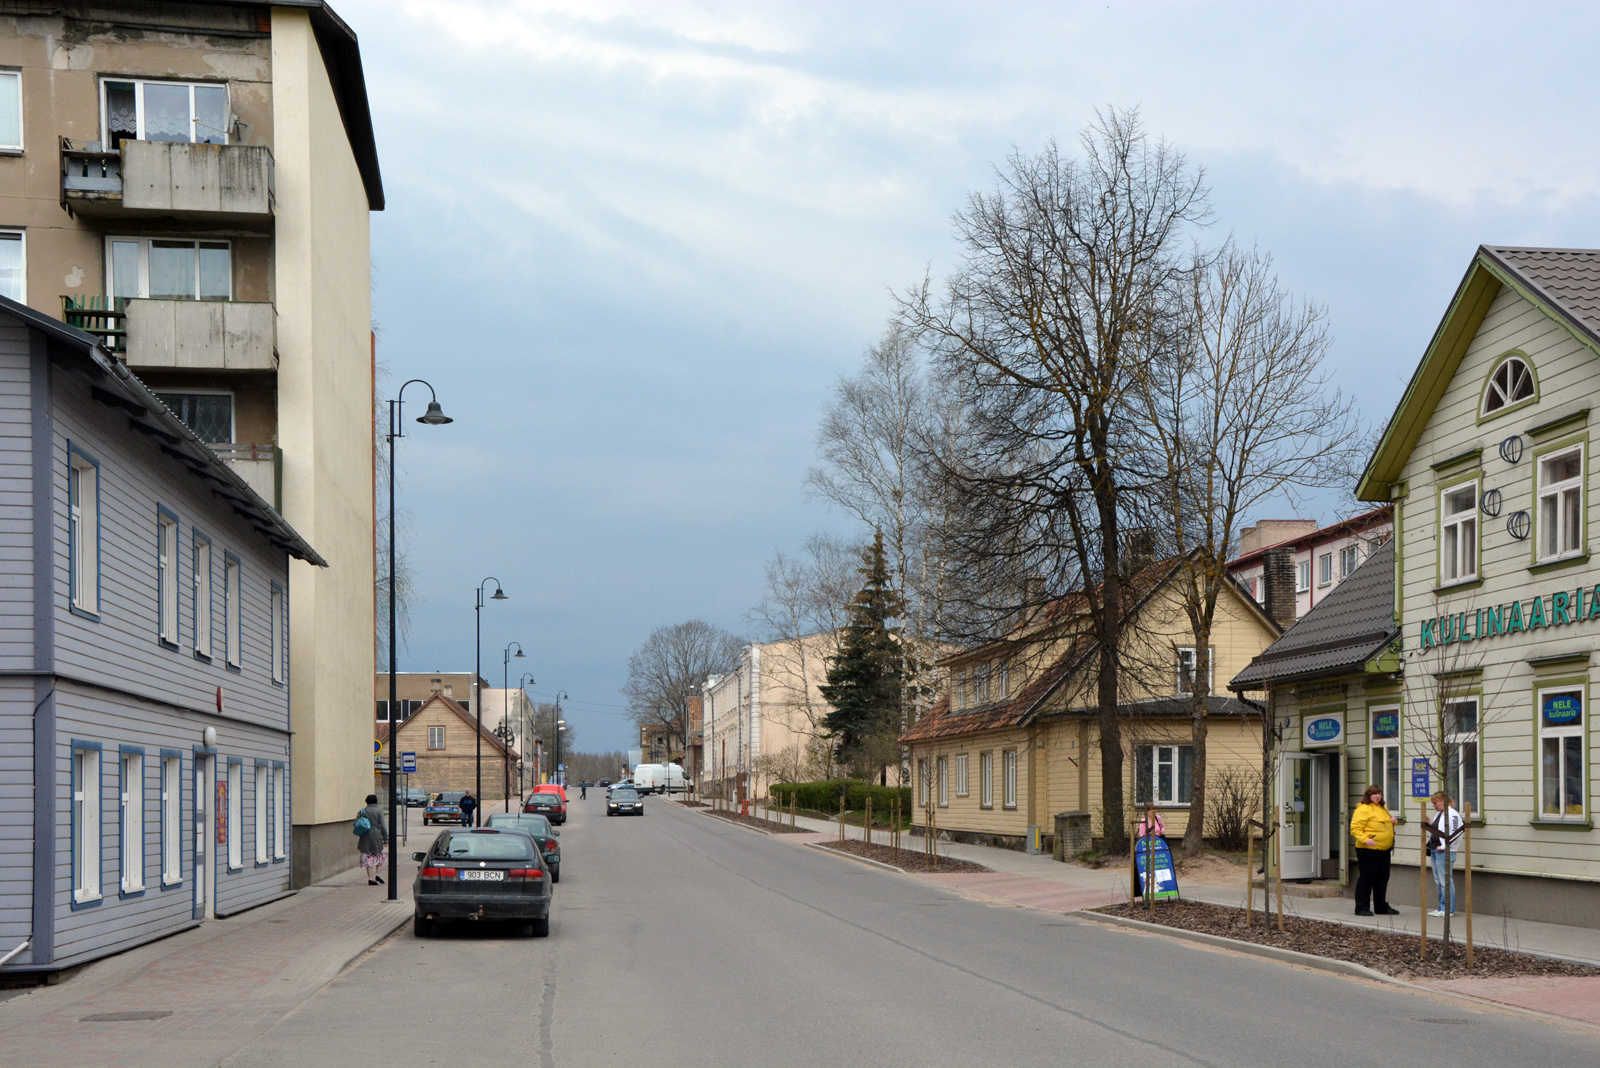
x=1511, y=383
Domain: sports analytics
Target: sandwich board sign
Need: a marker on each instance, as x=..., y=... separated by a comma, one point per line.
x=1152, y=855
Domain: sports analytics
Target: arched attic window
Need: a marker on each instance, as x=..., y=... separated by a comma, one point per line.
x=1511, y=383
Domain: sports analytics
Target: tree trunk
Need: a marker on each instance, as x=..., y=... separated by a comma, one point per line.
x=1111, y=799
x=1194, y=835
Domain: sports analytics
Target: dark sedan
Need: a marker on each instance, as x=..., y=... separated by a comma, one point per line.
x=624, y=803
x=539, y=828
x=482, y=874
x=550, y=806
x=446, y=808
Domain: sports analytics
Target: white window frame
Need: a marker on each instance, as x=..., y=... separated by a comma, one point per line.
x=1008, y=767
x=1349, y=560
x=986, y=780
x=20, y=235
x=138, y=104
x=1302, y=575
x=167, y=568
x=1170, y=756
x=1565, y=501
x=922, y=782
x=432, y=736
x=961, y=775
x=1386, y=769
x=141, y=288
x=1325, y=569
x=980, y=684
x=280, y=808
x=1185, y=669
x=22, y=133
x=260, y=784
x=1567, y=738
x=943, y=778
x=1002, y=678
x=232, y=576
x=1461, y=524
x=382, y=709
x=83, y=532
x=132, y=820
x=235, y=815
x=1493, y=390
x=278, y=621
x=87, y=829
x=201, y=581
x=171, y=819
x=1454, y=773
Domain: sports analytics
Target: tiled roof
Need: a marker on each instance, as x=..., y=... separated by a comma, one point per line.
x=1344, y=630
x=466, y=717
x=1568, y=279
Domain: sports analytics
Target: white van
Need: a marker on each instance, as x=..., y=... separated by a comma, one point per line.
x=660, y=779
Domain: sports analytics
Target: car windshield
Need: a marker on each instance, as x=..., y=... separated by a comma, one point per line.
x=475, y=845
x=544, y=799
x=450, y=797
x=624, y=795
x=530, y=824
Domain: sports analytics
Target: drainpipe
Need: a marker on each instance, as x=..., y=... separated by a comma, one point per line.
x=20, y=947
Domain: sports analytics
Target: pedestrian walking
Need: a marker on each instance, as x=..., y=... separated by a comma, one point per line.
x=1372, y=827
x=583, y=791
x=469, y=805
x=374, y=836
x=1444, y=830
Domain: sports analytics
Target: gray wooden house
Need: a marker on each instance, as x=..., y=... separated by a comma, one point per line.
x=144, y=701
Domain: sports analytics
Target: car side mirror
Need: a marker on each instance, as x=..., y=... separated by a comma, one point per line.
x=556, y=833
x=419, y=857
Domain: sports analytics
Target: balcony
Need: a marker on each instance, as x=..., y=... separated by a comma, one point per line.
x=207, y=185
x=208, y=335
x=261, y=466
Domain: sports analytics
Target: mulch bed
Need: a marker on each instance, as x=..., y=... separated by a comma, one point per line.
x=771, y=826
x=691, y=804
x=1388, y=952
x=909, y=859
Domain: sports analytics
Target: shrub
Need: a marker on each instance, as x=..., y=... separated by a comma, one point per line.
x=1232, y=797
x=824, y=796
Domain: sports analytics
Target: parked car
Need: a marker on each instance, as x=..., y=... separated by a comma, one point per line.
x=540, y=830
x=624, y=803
x=625, y=784
x=445, y=808
x=482, y=874
x=549, y=806
x=414, y=797
x=606, y=783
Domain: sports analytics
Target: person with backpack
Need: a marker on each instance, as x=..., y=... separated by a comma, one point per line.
x=373, y=835
x=469, y=805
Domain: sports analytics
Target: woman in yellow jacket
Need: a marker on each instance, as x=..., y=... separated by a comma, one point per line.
x=1373, y=829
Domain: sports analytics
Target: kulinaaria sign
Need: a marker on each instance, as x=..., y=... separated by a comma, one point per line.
x=1554, y=610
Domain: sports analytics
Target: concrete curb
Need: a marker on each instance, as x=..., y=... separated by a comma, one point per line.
x=1287, y=956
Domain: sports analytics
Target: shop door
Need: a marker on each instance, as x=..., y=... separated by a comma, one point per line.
x=1297, y=848
x=204, y=907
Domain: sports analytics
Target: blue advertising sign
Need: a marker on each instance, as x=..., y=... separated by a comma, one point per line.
x=1563, y=709
x=1386, y=725
x=1152, y=850
x=1326, y=728
x=1419, y=778
x=408, y=763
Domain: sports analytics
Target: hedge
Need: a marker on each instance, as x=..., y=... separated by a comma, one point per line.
x=824, y=796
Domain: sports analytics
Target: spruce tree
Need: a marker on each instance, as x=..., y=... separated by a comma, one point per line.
x=864, y=679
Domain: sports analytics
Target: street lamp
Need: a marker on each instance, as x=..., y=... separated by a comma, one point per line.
x=434, y=416
x=505, y=718
x=522, y=701
x=477, y=693
x=561, y=725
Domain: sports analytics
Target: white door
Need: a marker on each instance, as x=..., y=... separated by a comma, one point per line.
x=204, y=908
x=1297, y=851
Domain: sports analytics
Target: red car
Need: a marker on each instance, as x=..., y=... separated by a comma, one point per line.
x=551, y=806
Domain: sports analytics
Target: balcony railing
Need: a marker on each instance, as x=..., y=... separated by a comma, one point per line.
x=214, y=335
x=209, y=184
x=104, y=317
x=261, y=466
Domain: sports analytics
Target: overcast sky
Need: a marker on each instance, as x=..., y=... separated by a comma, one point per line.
x=635, y=245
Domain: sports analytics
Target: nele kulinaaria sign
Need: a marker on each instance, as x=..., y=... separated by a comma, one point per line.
x=1554, y=610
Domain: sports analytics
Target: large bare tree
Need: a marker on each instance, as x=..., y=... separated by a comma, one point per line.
x=671, y=666
x=1071, y=267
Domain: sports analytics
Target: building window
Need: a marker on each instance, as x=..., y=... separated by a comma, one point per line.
x=1385, y=771
x=1561, y=503
x=171, y=819
x=230, y=608
x=963, y=694
x=1510, y=383
x=139, y=110
x=168, y=268
x=435, y=737
x=961, y=775
x=1458, y=533
x=1302, y=576
x=1008, y=768
x=383, y=711
x=980, y=684
x=944, y=782
x=132, y=822
x=986, y=780
x=1561, y=745
x=277, y=638
x=1349, y=557
x=1163, y=774
x=280, y=812
x=10, y=111
x=260, y=784
x=1253, y=584
x=202, y=596
x=83, y=532
x=209, y=415
x=167, y=576
x=85, y=824
x=1324, y=569
x=1461, y=751
x=1002, y=679
x=235, y=815
x=1186, y=659
x=14, y=265
x=922, y=783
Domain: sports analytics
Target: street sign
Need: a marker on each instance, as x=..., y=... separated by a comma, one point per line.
x=1419, y=778
x=408, y=763
x=377, y=746
x=1152, y=851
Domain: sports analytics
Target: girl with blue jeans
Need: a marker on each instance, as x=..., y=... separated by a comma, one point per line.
x=1444, y=831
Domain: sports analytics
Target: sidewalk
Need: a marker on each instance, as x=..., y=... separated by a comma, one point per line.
x=1042, y=882
x=196, y=997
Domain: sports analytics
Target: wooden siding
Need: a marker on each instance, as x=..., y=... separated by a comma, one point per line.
x=16, y=499
x=16, y=811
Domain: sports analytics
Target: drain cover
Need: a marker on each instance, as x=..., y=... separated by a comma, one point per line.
x=123, y=1017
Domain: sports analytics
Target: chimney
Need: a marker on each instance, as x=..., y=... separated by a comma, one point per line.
x=1277, y=586
x=1141, y=549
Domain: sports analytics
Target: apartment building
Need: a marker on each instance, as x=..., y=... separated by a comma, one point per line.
x=1323, y=556
x=191, y=184
x=762, y=721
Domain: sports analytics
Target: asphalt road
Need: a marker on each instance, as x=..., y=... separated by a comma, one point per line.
x=681, y=940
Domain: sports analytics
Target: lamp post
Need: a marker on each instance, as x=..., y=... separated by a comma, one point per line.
x=477, y=693
x=561, y=725
x=522, y=700
x=434, y=416
x=505, y=718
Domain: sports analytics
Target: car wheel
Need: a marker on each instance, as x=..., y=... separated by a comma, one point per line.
x=540, y=928
x=421, y=926
x=555, y=874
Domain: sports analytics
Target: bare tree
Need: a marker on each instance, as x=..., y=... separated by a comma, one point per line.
x=671, y=666
x=1071, y=267
x=1238, y=411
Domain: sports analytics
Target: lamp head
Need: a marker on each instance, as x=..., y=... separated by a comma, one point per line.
x=434, y=416
x=498, y=595
x=519, y=653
